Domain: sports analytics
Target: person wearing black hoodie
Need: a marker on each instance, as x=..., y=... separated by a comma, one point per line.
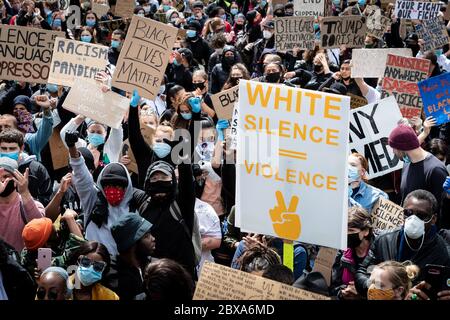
x=199, y=47
x=221, y=71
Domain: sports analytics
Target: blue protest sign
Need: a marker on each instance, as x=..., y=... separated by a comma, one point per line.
x=435, y=94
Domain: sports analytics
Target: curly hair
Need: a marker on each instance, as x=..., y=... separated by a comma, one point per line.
x=258, y=258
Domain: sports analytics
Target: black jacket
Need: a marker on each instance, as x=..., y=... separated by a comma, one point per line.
x=40, y=184
x=387, y=246
x=17, y=282
x=7, y=96
x=200, y=49
x=113, y=55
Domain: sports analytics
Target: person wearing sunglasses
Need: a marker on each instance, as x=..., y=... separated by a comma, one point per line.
x=52, y=285
x=93, y=261
x=416, y=241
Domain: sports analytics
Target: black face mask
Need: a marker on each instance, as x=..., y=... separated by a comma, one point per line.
x=346, y=79
x=279, y=14
x=239, y=27
x=235, y=80
x=160, y=187
x=200, y=85
x=10, y=187
x=273, y=77
x=353, y=240
x=229, y=60
x=289, y=13
x=318, y=68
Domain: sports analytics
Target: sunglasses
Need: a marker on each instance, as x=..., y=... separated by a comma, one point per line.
x=85, y=262
x=424, y=216
x=51, y=294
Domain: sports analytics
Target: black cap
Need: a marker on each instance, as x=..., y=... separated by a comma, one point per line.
x=114, y=174
x=194, y=24
x=198, y=4
x=314, y=282
x=337, y=88
x=24, y=100
x=128, y=230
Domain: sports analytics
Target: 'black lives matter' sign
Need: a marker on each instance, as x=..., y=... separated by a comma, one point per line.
x=26, y=53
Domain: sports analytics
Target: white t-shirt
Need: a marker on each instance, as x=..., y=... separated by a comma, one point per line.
x=209, y=226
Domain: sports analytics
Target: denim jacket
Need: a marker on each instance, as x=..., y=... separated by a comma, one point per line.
x=367, y=196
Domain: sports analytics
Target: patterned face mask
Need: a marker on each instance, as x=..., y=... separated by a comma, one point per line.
x=24, y=121
x=374, y=293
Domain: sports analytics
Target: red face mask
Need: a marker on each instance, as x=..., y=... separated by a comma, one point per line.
x=114, y=195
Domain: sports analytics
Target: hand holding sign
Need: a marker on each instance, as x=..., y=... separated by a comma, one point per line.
x=286, y=222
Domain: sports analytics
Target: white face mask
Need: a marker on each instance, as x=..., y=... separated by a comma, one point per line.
x=267, y=34
x=162, y=89
x=414, y=227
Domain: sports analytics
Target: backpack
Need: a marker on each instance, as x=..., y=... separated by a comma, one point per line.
x=194, y=236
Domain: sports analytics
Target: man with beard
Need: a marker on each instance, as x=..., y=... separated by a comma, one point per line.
x=135, y=245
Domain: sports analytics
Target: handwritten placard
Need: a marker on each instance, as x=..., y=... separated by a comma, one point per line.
x=435, y=94
x=125, y=8
x=349, y=31
x=144, y=57
x=26, y=53
x=434, y=34
x=108, y=108
x=293, y=32
x=324, y=262
x=311, y=8
x=356, y=101
x=58, y=150
x=377, y=57
x=386, y=215
x=415, y=10
x=223, y=102
x=377, y=24
x=218, y=282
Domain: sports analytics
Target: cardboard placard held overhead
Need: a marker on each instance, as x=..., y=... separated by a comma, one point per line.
x=26, y=53
x=218, y=282
x=100, y=9
x=415, y=10
x=303, y=8
x=324, y=262
x=349, y=31
x=144, y=57
x=58, y=150
x=223, y=102
x=386, y=215
x=293, y=32
x=87, y=99
x=377, y=24
x=75, y=59
x=370, y=127
x=400, y=80
x=435, y=94
x=287, y=137
x=434, y=34
x=125, y=8
x=275, y=2
x=377, y=58
x=356, y=101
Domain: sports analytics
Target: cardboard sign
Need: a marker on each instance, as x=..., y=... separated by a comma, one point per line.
x=58, y=150
x=370, y=127
x=293, y=32
x=132, y=167
x=144, y=57
x=356, y=101
x=434, y=34
x=75, y=59
x=386, y=215
x=275, y=2
x=125, y=8
x=108, y=108
x=26, y=53
x=304, y=8
x=400, y=80
x=415, y=10
x=100, y=9
x=377, y=24
x=324, y=262
x=223, y=102
x=377, y=58
x=349, y=31
x=234, y=127
x=218, y=282
x=435, y=93
x=287, y=137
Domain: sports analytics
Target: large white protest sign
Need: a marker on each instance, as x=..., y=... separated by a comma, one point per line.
x=415, y=10
x=377, y=58
x=370, y=127
x=305, y=136
x=304, y=8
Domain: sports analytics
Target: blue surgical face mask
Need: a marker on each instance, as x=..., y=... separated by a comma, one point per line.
x=191, y=33
x=166, y=8
x=234, y=11
x=90, y=22
x=406, y=159
x=362, y=3
x=353, y=174
x=350, y=191
x=86, y=39
x=11, y=155
x=161, y=149
x=96, y=139
x=316, y=26
x=88, y=276
x=438, y=52
x=47, y=11
x=175, y=62
x=186, y=116
x=115, y=44
x=263, y=3
x=57, y=23
x=224, y=17
x=336, y=2
x=52, y=88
